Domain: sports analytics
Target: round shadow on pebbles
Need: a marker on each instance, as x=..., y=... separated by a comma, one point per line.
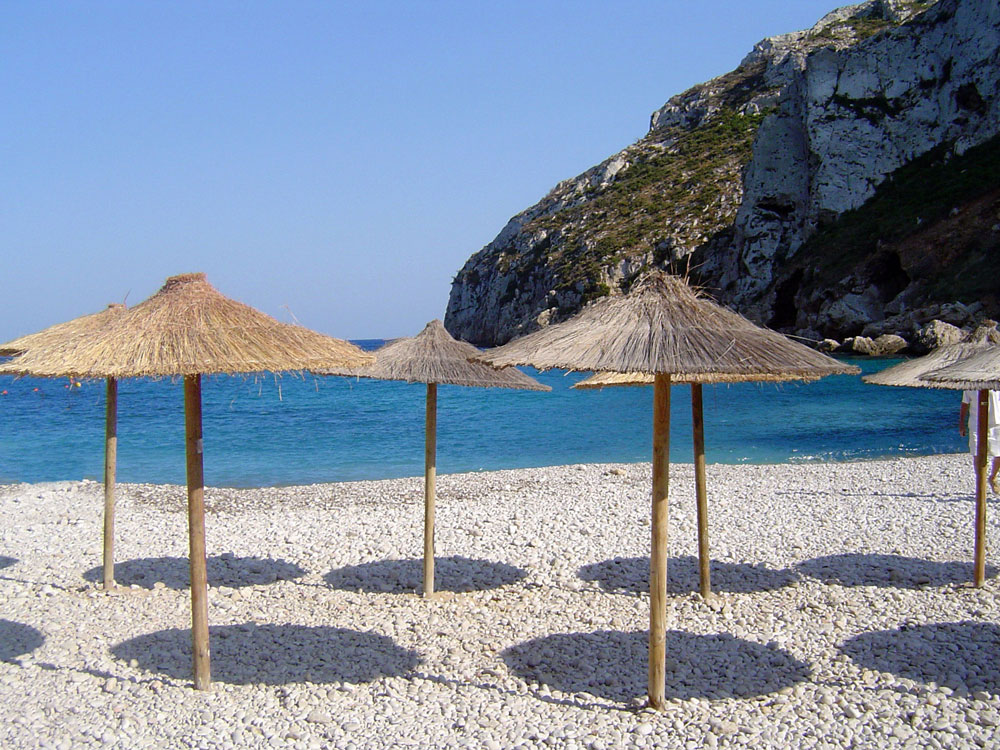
x=17, y=639
x=223, y=570
x=6, y=562
x=630, y=575
x=274, y=654
x=948, y=653
x=614, y=665
x=456, y=574
x=889, y=571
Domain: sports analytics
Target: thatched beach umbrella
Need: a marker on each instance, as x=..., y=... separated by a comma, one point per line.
x=664, y=329
x=912, y=374
x=601, y=380
x=84, y=326
x=434, y=357
x=980, y=372
x=189, y=329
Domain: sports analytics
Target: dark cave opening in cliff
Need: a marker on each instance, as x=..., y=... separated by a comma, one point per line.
x=785, y=310
x=888, y=274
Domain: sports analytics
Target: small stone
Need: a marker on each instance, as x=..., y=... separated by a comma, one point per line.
x=723, y=726
x=989, y=718
x=317, y=716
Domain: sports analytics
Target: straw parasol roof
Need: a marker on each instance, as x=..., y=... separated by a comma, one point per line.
x=188, y=328
x=434, y=356
x=910, y=373
x=61, y=331
x=664, y=329
x=936, y=370
x=615, y=379
x=61, y=334
x=977, y=373
x=664, y=326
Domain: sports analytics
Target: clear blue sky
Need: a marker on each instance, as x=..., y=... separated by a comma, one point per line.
x=336, y=161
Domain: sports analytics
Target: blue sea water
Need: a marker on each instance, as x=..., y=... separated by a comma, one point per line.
x=269, y=430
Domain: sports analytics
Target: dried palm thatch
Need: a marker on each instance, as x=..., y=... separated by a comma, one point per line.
x=925, y=372
x=910, y=373
x=57, y=335
x=664, y=330
x=78, y=326
x=434, y=356
x=663, y=326
x=187, y=328
x=976, y=373
x=616, y=379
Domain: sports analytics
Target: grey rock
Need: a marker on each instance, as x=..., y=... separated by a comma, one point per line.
x=889, y=343
x=936, y=334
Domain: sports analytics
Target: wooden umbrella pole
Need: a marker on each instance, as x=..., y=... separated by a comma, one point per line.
x=196, y=531
x=110, y=467
x=701, y=492
x=658, y=547
x=982, y=446
x=430, y=469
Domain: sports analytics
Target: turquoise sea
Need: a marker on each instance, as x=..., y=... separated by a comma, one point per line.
x=270, y=430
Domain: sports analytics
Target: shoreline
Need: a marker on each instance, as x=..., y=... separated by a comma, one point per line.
x=797, y=461
x=842, y=612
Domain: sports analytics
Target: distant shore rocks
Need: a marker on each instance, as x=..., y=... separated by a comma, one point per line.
x=919, y=341
x=936, y=334
x=883, y=346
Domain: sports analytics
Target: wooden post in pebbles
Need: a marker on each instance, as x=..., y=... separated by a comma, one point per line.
x=110, y=463
x=982, y=445
x=658, y=547
x=196, y=531
x=698, y=420
x=430, y=469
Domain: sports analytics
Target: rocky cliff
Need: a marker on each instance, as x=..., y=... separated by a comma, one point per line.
x=819, y=188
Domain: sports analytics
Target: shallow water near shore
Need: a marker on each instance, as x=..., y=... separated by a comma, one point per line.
x=267, y=430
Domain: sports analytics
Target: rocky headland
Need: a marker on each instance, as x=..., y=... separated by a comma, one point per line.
x=842, y=182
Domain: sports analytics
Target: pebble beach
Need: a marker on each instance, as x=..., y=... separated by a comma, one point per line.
x=842, y=613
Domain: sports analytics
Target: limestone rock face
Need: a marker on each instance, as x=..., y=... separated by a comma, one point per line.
x=738, y=174
x=849, y=118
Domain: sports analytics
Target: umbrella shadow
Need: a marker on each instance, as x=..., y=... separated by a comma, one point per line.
x=223, y=570
x=456, y=574
x=17, y=639
x=613, y=665
x=6, y=562
x=890, y=571
x=630, y=575
x=949, y=653
x=274, y=654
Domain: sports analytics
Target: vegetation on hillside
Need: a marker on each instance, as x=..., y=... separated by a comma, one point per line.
x=924, y=191
x=679, y=185
x=935, y=221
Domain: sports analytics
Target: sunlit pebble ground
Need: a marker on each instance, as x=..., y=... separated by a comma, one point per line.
x=842, y=616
